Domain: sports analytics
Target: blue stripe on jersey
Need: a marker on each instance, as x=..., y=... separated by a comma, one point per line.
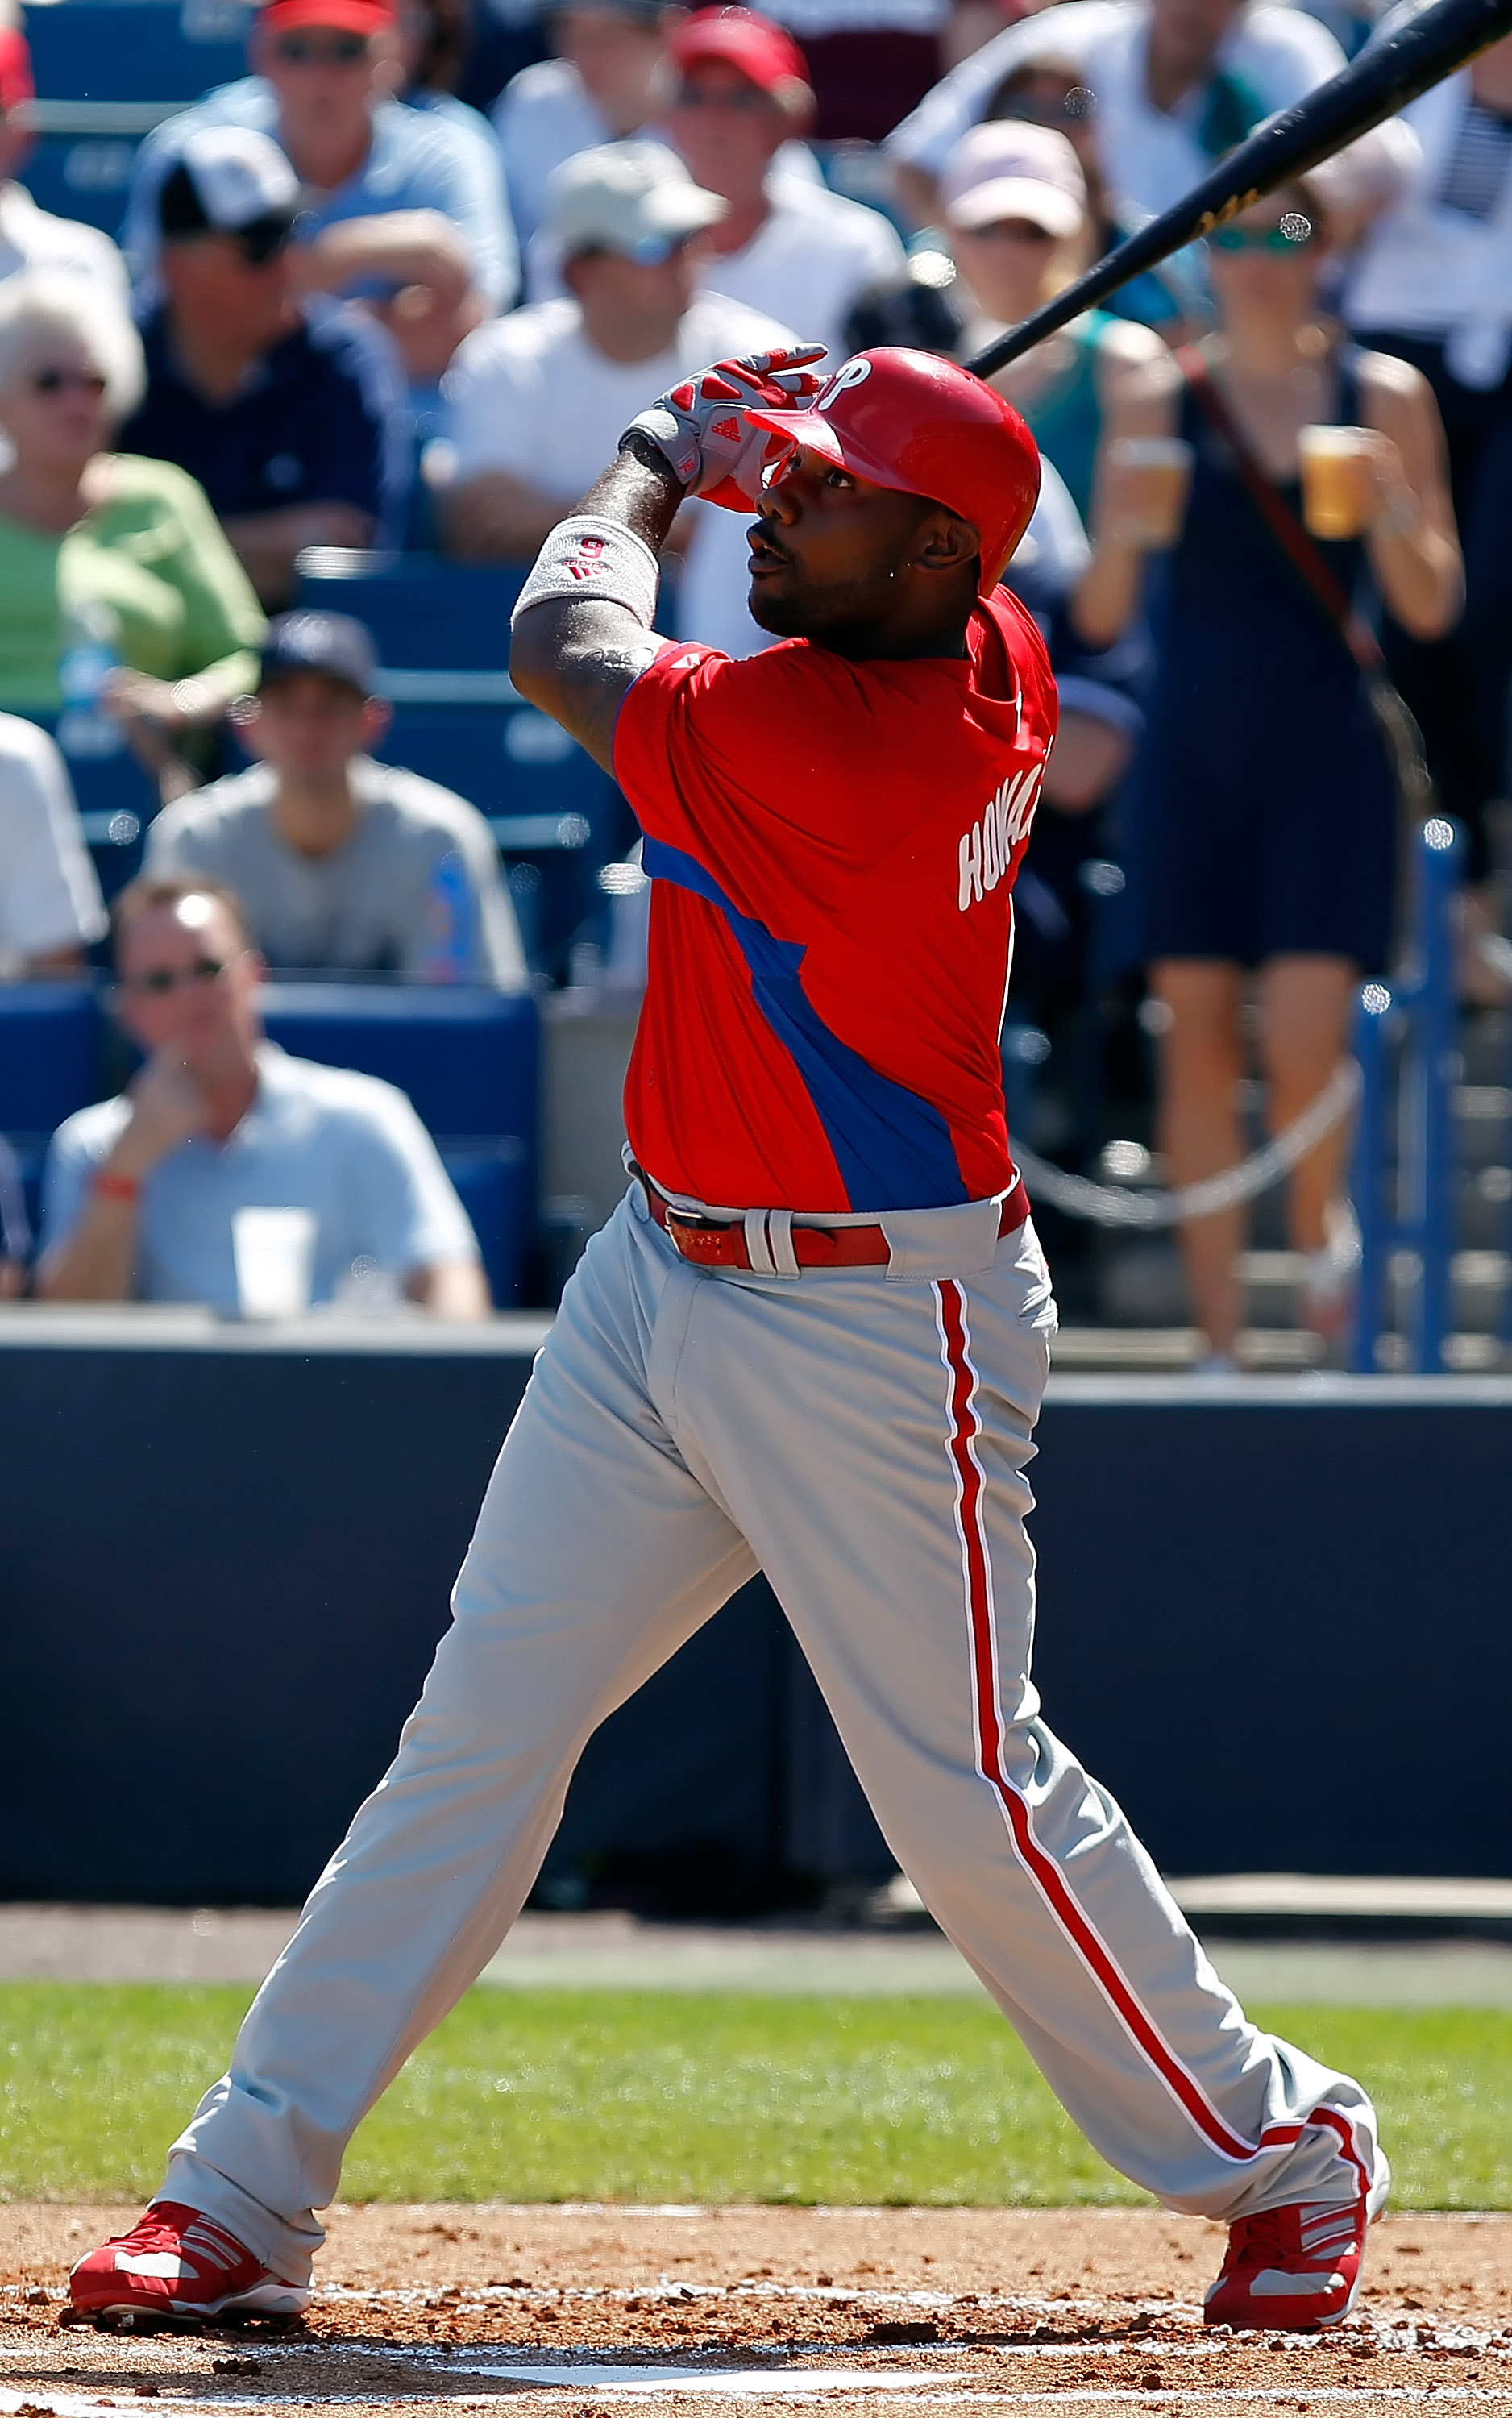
x=893, y=1149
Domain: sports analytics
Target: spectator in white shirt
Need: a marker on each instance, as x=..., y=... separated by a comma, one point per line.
x=605, y=82
x=538, y=401
x=1176, y=84
x=790, y=248
x=344, y=864
x=139, y=1193
x=32, y=237
x=51, y=909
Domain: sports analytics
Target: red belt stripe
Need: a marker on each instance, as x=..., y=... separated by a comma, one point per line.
x=965, y=1428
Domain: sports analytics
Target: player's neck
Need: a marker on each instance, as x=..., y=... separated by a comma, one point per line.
x=900, y=639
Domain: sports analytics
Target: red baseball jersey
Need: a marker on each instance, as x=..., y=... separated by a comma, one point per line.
x=832, y=845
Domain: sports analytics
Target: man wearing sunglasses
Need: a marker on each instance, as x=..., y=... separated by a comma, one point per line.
x=139, y=1192
x=534, y=400
x=402, y=210
x=289, y=415
x=785, y=246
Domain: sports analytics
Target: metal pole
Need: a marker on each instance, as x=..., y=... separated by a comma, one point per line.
x=1430, y=1074
x=1367, y=1170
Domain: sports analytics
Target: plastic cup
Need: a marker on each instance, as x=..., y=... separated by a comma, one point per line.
x=1336, y=481
x=275, y=1251
x=1162, y=476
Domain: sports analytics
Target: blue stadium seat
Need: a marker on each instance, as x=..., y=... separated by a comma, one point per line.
x=492, y=1183
x=116, y=52
x=50, y=1039
x=81, y=175
x=115, y=799
x=469, y=1059
x=423, y=612
x=107, y=71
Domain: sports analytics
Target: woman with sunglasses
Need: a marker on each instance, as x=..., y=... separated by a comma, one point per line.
x=1266, y=808
x=1014, y=199
x=1054, y=93
x=111, y=565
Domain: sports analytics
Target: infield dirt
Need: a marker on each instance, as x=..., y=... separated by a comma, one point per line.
x=592, y=2311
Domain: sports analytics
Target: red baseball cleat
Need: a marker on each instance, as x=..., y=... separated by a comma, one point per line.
x=1290, y=2268
x=175, y=2266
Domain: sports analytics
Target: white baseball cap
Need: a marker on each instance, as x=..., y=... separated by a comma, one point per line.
x=635, y=198
x=1010, y=169
x=240, y=177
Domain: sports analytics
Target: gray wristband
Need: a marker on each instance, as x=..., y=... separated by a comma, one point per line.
x=586, y=557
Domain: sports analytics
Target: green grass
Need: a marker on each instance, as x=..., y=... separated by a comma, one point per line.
x=572, y=2095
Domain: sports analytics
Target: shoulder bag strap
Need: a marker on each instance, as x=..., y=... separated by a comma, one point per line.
x=1394, y=716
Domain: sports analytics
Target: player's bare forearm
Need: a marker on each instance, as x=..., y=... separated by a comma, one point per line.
x=574, y=658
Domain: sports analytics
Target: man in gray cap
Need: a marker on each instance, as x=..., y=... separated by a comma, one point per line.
x=536, y=402
x=343, y=863
x=291, y=414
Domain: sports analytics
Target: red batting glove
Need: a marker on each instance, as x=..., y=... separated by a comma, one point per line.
x=700, y=428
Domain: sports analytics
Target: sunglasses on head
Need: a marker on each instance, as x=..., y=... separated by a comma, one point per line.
x=328, y=50
x=157, y=981
x=1292, y=235
x=56, y=380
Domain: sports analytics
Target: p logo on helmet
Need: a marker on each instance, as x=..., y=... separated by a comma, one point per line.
x=852, y=373
x=924, y=427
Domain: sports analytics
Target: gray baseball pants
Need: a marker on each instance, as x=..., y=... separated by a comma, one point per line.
x=863, y=1440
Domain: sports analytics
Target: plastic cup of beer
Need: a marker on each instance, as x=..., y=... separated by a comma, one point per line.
x=1161, y=469
x=275, y=1253
x=1335, y=480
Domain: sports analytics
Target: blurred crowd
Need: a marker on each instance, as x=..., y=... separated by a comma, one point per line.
x=405, y=283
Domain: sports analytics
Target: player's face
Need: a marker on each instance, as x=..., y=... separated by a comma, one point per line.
x=827, y=549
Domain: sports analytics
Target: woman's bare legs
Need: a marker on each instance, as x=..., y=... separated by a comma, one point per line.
x=1201, y=1064
x=1304, y=1020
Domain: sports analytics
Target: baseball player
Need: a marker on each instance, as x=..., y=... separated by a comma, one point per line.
x=811, y=1340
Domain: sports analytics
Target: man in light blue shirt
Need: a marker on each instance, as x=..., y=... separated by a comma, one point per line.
x=139, y=1193
x=402, y=207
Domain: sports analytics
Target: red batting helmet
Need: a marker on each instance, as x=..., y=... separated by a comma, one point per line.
x=912, y=422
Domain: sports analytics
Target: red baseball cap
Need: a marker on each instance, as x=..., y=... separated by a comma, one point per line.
x=920, y=425
x=16, y=85
x=338, y=16
x=739, y=38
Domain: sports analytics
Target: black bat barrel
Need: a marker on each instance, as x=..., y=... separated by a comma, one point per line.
x=1402, y=60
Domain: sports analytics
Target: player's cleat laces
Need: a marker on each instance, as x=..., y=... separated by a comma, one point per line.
x=1290, y=2268
x=176, y=2265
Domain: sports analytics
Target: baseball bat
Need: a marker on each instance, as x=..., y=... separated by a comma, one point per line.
x=1393, y=69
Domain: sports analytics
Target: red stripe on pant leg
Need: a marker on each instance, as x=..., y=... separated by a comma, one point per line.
x=965, y=1424
x=1341, y=2125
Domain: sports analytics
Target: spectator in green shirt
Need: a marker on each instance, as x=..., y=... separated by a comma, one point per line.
x=113, y=568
